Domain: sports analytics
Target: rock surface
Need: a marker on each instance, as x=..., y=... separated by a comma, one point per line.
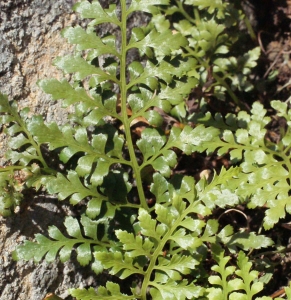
x=29, y=41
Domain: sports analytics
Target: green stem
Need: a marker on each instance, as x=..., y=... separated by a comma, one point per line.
x=31, y=140
x=126, y=123
x=197, y=16
x=286, y=160
x=222, y=82
x=270, y=253
x=186, y=15
x=147, y=282
x=14, y=168
x=287, y=149
x=219, y=79
x=151, y=266
x=250, y=29
x=135, y=206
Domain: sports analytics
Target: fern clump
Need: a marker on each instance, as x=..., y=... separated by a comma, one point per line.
x=265, y=165
x=168, y=227
x=211, y=30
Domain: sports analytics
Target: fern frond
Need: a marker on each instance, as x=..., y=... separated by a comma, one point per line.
x=110, y=292
x=20, y=137
x=265, y=166
x=58, y=243
x=226, y=288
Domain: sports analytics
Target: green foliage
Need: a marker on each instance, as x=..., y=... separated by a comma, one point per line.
x=10, y=195
x=62, y=245
x=265, y=165
x=212, y=40
x=111, y=291
x=226, y=288
x=142, y=221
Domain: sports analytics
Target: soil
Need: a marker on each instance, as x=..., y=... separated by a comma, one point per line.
x=272, y=20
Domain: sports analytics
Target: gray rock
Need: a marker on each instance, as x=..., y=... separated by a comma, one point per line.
x=23, y=280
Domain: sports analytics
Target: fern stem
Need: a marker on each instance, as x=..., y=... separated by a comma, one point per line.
x=14, y=168
x=130, y=205
x=159, y=249
x=250, y=29
x=152, y=264
x=31, y=140
x=197, y=16
x=219, y=79
x=288, y=132
x=186, y=15
x=125, y=118
x=287, y=163
x=229, y=90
